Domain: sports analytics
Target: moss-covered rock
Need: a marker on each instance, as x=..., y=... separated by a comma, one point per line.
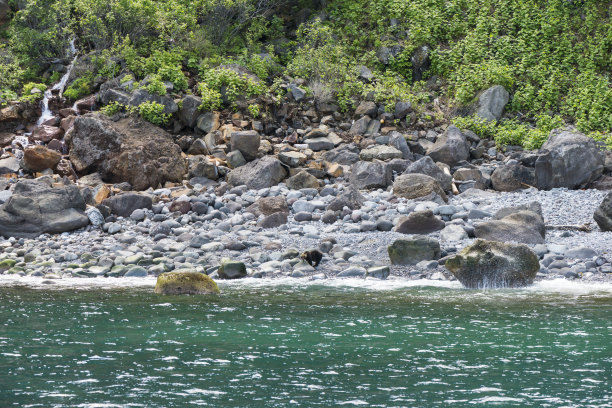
x=185, y=282
x=232, y=269
x=492, y=264
x=7, y=264
x=410, y=251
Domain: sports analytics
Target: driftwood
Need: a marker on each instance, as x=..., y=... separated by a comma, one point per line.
x=584, y=227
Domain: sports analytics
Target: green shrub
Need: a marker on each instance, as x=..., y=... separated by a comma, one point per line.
x=233, y=84
x=254, y=110
x=28, y=96
x=112, y=108
x=153, y=112
x=156, y=86
x=79, y=88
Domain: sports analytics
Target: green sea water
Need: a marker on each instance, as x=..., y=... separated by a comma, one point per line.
x=317, y=345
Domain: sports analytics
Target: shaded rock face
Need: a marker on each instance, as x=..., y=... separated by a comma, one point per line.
x=603, y=214
x=491, y=264
x=185, y=283
x=125, y=204
x=524, y=226
x=512, y=178
x=419, y=222
x=246, y=142
x=369, y=175
x=426, y=165
x=262, y=173
x=302, y=180
x=418, y=186
x=492, y=102
x=450, y=148
x=232, y=270
x=568, y=159
x=414, y=250
x=35, y=208
x=133, y=151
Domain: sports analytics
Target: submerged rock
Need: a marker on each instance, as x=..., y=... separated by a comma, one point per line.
x=185, y=282
x=491, y=264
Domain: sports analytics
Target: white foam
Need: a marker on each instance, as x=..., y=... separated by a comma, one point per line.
x=557, y=286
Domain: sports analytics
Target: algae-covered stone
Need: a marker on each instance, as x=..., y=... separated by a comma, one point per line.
x=7, y=264
x=492, y=264
x=413, y=250
x=185, y=282
x=232, y=269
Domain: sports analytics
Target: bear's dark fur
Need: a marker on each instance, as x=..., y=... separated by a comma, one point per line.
x=312, y=257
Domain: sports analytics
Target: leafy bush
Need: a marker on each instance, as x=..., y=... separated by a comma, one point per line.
x=79, y=88
x=112, y=108
x=211, y=99
x=512, y=132
x=233, y=84
x=156, y=86
x=28, y=96
x=254, y=110
x=153, y=112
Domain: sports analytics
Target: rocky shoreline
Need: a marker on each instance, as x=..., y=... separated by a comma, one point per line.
x=378, y=194
x=150, y=242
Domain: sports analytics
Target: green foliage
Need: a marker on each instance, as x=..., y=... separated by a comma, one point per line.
x=112, y=108
x=232, y=83
x=254, y=110
x=211, y=99
x=156, y=86
x=512, y=132
x=28, y=96
x=79, y=88
x=153, y=112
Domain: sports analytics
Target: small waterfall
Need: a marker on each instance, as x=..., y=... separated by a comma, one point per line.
x=46, y=112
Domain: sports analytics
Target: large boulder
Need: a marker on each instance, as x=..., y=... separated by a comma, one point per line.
x=39, y=158
x=345, y=154
x=302, y=180
x=418, y=186
x=603, y=214
x=492, y=102
x=490, y=264
x=411, y=251
x=450, y=148
x=524, y=226
x=231, y=269
x=351, y=199
x=370, y=175
x=380, y=152
x=426, y=165
x=124, y=204
x=35, y=208
x=246, y=142
x=128, y=150
x=419, y=222
x=190, y=110
x=568, y=159
x=9, y=165
x=512, y=177
x=185, y=282
x=141, y=96
x=262, y=173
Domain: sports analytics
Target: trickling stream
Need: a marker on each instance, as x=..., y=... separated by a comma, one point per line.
x=46, y=112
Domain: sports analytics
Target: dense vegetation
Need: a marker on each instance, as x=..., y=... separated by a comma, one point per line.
x=554, y=56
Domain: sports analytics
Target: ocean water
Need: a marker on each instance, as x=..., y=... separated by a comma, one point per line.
x=286, y=343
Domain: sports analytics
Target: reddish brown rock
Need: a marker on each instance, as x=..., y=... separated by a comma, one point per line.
x=51, y=122
x=9, y=114
x=6, y=139
x=180, y=206
x=86, y=104
x=39, y=158
x=66, y=112
x=129, y=150
x=67, y=123
x=56, y=145
x=46, y=133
